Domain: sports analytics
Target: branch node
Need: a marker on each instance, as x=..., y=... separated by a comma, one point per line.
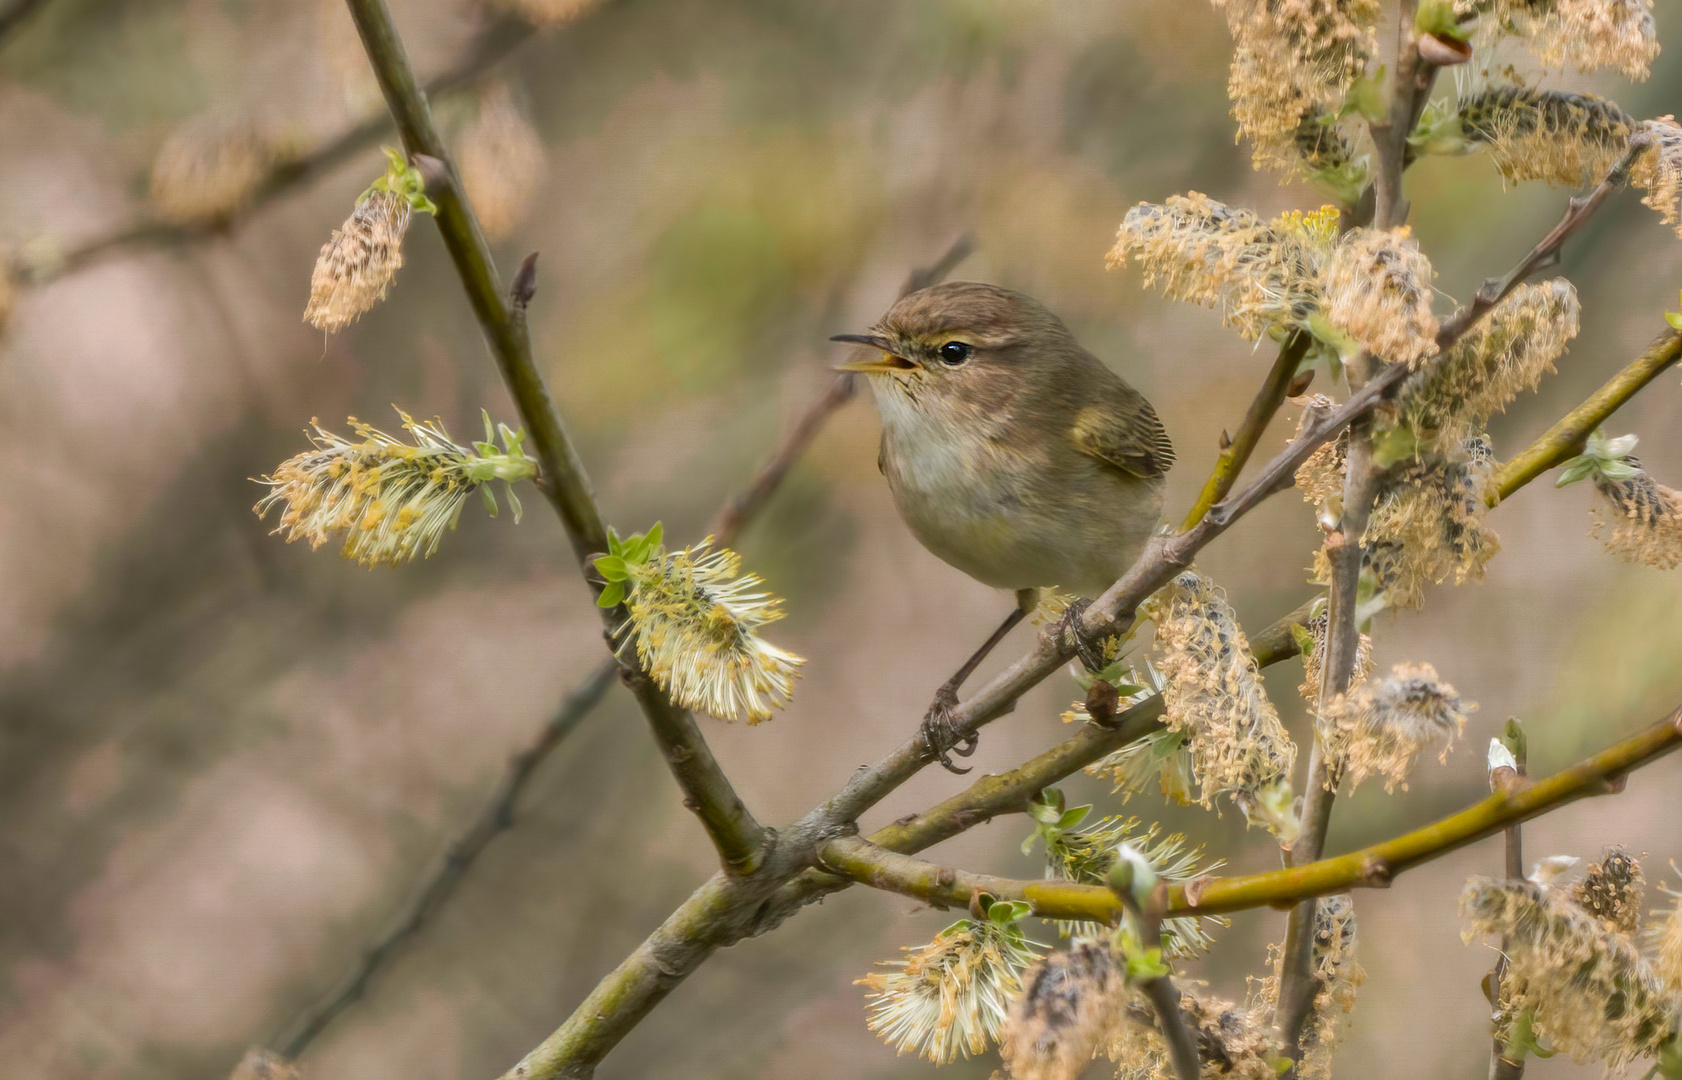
x=525, y=283
x=433, y=171
x=1376, y=873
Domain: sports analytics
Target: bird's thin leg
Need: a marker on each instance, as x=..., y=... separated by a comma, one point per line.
x=939, y=729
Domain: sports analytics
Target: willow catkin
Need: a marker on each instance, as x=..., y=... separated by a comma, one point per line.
x=357, y=264
x=1555, y=135
x=1382, y=727
x=1070, y=1002
x=1377, y=285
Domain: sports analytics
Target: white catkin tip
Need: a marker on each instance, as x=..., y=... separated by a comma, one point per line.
x=1501, y=757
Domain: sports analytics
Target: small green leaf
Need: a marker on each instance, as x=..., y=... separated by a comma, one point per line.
x=490, y=500
x=1574, y=470
x=1073, y=816
x=612, y=596
x=1304, y=639
x=513, y=502
x=1029, y=842
x=1674, y=318
x=1005, y=912
x=656, y=535
x=611, y=567
x=613, y=542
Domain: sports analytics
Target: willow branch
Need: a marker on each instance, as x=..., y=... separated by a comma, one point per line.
x=1374, y=867
x=495, y=42
x=1232, y=458
x=1506, y=778
x=739, y=838
x=1565, y=439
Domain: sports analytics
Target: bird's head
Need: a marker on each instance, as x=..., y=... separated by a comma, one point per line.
x=962, y=341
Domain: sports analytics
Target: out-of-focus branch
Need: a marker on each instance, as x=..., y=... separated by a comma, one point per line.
x=15, y=14
x=1565, y=439
x=494, y=42
x=1373, y=867
x=740, y=839
x=1230, y=462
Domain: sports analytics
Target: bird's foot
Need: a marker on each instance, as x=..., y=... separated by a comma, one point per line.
x=1090, y=652
x=940, y=731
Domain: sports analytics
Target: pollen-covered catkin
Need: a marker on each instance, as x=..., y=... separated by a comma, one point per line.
x=1233, y=1042
x=1429, y=523
x=949, y=999
x=392, y=500
x=1070, y=1003
x=1293, y=60
x=1377, y=286
x=501, y=163
x=1646, y=518
x=1505, y=354
x=1593, y=994
x=695, y=618
x=1554, y=135
x=1381, y=728
x=1658, y=171
x=357, y=264
x=1339, y=975
x=1263, y=276
x=1214, y=693
x=1312, y=671
x=1612, y=891
x=1586, y=34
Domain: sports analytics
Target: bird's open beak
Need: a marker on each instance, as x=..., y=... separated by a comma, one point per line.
x=888, y=361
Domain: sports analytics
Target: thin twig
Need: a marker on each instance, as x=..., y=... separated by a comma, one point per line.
x=1230, y=462
x=492, y=45
x=1374, y=867
x=1160, y=991
x=1507, y=778
x=739, y=838
x=1565, y=439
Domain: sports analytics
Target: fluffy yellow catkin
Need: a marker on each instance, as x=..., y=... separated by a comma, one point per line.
x=1340, y=976
x=949, y=999
x=1586, y=34
x=1612, y=891
x=1313, y=673
x=501, y=163
x=1382, y=727
x=1214, y=694
x=1429, y=524
x=1659, y=170
x=1233, y=1043
x=1593, y=994
x=1554, y=135
x=357, y=264
x=1263, y=276
x=1377, y=285
x=695, y=618
x=1504, y=355
x=1070, y=1003
x=1646, y=518
x=1292, y=61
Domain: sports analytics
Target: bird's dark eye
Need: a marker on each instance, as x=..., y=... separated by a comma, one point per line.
x=955, y=352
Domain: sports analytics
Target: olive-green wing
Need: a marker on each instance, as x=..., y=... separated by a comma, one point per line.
x=1124, y=431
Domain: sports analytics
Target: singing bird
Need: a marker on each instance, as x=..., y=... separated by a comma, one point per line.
x=1012, y=453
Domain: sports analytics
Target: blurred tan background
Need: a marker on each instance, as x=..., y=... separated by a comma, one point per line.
x=224, y=760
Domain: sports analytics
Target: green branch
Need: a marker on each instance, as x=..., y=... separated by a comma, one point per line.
x=1233, y=456
x=739, y=838
x=1565, y=439
x=1370, y=867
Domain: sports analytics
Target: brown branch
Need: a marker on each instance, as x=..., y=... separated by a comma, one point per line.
x=1374, y=867
x=739, y=838
x=499, y=38
x=1565, y=439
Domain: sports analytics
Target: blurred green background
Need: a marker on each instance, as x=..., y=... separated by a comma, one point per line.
x=225, y=760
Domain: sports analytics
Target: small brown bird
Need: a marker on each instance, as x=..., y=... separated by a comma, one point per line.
x=1012, y=453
